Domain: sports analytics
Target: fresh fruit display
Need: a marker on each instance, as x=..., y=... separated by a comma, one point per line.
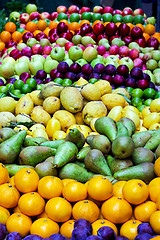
x=79, y=124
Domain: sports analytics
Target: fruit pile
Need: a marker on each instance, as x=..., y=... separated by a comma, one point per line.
x=79, y=125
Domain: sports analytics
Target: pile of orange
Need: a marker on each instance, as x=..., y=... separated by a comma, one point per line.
x=30, y=205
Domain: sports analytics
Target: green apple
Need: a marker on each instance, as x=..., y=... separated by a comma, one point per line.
x=69, y=61
x=76, y=39
x=14, y=16
x=133, y=45
x=20, y=46
x=89, y=54
x=34, y=66
x=21, y=67
x=38, y=57
x=157, y=78
x=75, y=53
x=50, y=64
x=126, y=61
x=61, y=41
x=58, y=53
x=6, y=70
x=159, y=64
x=81, y=62
x=31, y=42
x=103, y=41
x=151, y=64
x=156, y=55
x=151, y=20
x=31, y=8
x=156, y=70
x=23, y=59
x=9, y=59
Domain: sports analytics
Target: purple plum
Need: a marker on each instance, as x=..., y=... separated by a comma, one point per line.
x=84, y=223
x=14, y=236
x=80, y=233
x=57, y=236
x=106, y=233
x=3, y=231
x=33, y=237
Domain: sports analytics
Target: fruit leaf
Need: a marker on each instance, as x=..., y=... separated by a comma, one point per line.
x=14, y=5
x=3, y=19
x=126, y=98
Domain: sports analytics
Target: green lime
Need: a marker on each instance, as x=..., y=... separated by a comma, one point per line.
x=21, y=30
x=157, y=95
x=139, y=19
x=130, y=89
x=66, y=82
x=61, y=16
x=32, y=83
x=35, y=20
x=86, y=16
x=74, y=17
x=3, y=89
x=3, y=95
x=149, y=93
x=117, y=18
x=128, y=19
x=21, y=95
x=26, y=88
x=47, y=21
x=18, y=84
x=136, y=101
x=140, y=107
x=137, y=92
x=16, y=92
x=96, y=16
x=58, y=80
x=148, y=101
x=93, y=80
x=10, y=86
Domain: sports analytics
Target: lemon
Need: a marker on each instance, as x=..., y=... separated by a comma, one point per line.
x=59, y=135
x=65, y=118
x=19, y=128
x=115, y=113
x=150, y=119
x=155, y=105
x=52, y=126
x=133, y=116
x=111, y=100
x=104, y=86
x=51, y=104
x=37, y=125
x=132, y=108
x=34, y=95
x=154, y=126
x=39, y=132
x=91, y=92
x=7, y=104
x=145, y=111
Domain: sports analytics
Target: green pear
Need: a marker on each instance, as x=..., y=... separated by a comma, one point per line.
x=76, y=137
x=154, y=141
x=100, y=142
x=34, y=141
x=45, y=169
x=10, y=148
x=87, y=40
x=141, y=154
x=53, y=144
x=74, y=171
x=6, y=133
x=122, y=130
x=116, y=164
x=13, y=168
x=82, y=153
x=122, y=147
x=157, y=152
x=140, y=138
x=130, y=125
x=96, y=162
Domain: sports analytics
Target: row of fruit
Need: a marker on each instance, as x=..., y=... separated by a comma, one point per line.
x=46, y=206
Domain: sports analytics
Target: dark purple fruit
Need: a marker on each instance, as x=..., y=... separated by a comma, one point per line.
x=99, y=68
x=84, y=223
x=33, y=237
x=94, y=75
x=14, y=236
x=57, y=236
x=119, y=237
x=143, y=236
x=145, y=228
x=106, y=233
x=3, y=231
x=41, y=74
x=110, y=69
x=63, y=67
x=94, y=237
x=87, y=69
x=136, y=73
x=80, y=233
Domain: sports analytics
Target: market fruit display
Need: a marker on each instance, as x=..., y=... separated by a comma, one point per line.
x=79, y=124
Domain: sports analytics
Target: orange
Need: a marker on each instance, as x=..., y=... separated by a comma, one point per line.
x=5, y=36
x=50, y=186
x=75, y=26
x=99, y=188
x=117, y=188
x=146, y=36
x=4, y=215
x=53, y=24
x=10, y=27
x=130, y=25
x=84, y=21
x=42, y=215
x=135, y=191
x=158, y=202
x=58, y=209
x=94, y=23
x=31, y=26
x=36, y=32
x=150, y=29
x=118, y=23
x=18, y=222
x=155, y=221
x=44, y=227
x=116, y=210
x=16, y=36
x=26, y=180
x=129, y=229
x=143, y=211
x=67, y=180
x=157, y=36
x=154, y=188
x=16, y=209
x=41, y=24
x=9, y=195
x=157, y=167
x=65, y=21
x=11, y=180
x=2, y=46
x=74, y=191
x=86, y=209
x=31, y=204
x=46, y=31
x=156, y=238
x=67, y=228
x=101, y=223
x=4, y=175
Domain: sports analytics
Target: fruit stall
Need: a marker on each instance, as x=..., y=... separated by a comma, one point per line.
x=79, y=124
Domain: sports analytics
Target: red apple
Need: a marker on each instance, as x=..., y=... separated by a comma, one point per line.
x=127, y=11
x=15, y=53
x=117, y=11
x=73, y=9
x=108, y=9
x=24, y=17
x=37, y=49
x=138, y=62
x=85, y=28
x=22, y=25
x=53, y=15
x=34, y=15
x=68, y=45
x=141, y=42
x=153, y=42
x=85, y=9
x=136, y=32
x=40, y=36
x=114, y=49
x=138, y=11
x=101, y=36
x=127, y=39
x=134, y=53
x=123, y=51
x=98, y=9
x=110, y=29
x=53, y=37
x=26, y=36
x=67, y=35
x=61, y=28
x=45, y=15
x=98, y=28
x=92, y=35
x=101, y=50
x=61, y=8
x=123, y=29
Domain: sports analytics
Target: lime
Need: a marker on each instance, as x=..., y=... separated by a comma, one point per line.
x=93, y=80
x=136, y=101
x=86, y=15
x=10, y=86
x=137, y=92
x=32, y=83
x=117, y=18
x=18, y=84
x=16, y=92
x=61, y=16
x=58, y=80
x=139, y=19
x=96, y=16
x=130, y=89
x=74, y=17
x=148, y=101
x=157, y=94
x=66, y=82
x=140, y=107
x=149, y=93
x=26, y=88
x=3, y=89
